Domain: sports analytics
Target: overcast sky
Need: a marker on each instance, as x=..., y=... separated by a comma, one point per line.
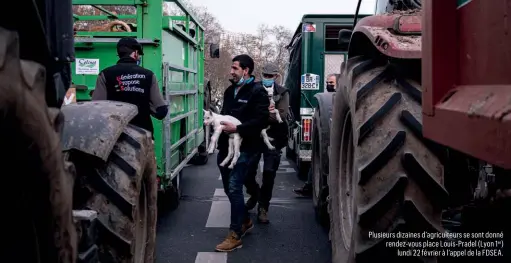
x=245, y=16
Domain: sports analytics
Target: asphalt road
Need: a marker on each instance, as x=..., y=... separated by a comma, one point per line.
x=191, y=232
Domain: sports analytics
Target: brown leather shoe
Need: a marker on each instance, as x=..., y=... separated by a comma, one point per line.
x=262, y=216
x=230, y=243
x=246, y=227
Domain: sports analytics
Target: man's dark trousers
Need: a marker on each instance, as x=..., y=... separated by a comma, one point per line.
x=233, y=181
x=271, y=159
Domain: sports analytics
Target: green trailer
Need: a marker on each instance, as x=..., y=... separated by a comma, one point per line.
x=314, y=54
x=174, y=50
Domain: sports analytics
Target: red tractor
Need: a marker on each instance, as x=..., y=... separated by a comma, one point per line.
x=420, y=134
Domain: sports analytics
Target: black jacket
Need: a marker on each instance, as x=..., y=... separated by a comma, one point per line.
x=128, y=82
x=250, y=107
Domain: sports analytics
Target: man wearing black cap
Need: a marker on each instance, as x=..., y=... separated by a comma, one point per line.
x=278, y=132
x=128, y=82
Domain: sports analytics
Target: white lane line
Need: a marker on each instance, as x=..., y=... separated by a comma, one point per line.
x=220, y=177
x=220, y=212
x=285, y=170
x=219, y=192
x=211, y=257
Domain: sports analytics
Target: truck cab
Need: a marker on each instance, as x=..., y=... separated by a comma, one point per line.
x=314, y=54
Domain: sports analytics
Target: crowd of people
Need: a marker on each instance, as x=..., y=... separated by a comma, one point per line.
x=245, y=99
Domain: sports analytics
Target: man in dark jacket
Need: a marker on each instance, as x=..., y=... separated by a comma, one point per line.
x=278, y=132
x=128, y=82
x=248, y=102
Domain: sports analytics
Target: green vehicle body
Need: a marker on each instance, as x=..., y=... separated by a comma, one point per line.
x=175, y=53
x=315, y=53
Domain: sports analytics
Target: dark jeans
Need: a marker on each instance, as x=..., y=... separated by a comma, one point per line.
x=233, y=181
x=271, y=160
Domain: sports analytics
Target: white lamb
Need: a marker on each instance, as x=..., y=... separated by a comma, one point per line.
x=234, y=138
x=265, y=136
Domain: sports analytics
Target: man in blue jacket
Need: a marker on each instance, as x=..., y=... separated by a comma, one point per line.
x=247, y=101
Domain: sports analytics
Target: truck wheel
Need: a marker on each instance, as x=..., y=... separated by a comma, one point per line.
x=37, y=197
x=175, y=192
x=201, y=157
x=169, y=199
x=123, y=192
x=318, y=164
x=389, y=178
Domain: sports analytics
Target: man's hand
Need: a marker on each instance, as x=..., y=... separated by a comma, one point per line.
x=272, y=107
x=228, y=127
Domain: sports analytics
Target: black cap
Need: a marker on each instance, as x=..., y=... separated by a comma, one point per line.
x=128, y=45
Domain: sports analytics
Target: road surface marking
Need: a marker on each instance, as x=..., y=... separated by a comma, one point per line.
x=211, y=257
x=220, y=212
x=220, y=177
x=219, y=192
x=285, y=170
x=284, y=163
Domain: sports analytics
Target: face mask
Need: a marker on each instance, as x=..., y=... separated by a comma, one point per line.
x=242, y=80
x=268, y=82
x=139, y=61
x=330, y=88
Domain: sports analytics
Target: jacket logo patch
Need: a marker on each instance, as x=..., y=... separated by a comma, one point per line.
x=130, y=82
x=243, y=101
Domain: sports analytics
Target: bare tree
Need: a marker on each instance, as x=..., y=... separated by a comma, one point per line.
x=266, y=46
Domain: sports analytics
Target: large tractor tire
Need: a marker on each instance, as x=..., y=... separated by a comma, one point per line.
x=124, y=193
x=36, y=195
x=387, y=179
x=319, y=160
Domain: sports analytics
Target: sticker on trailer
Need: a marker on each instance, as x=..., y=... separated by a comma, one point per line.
x=87, y=66
x=308, y=27
x=310, y=82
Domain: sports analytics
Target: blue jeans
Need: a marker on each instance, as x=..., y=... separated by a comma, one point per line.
x=233, y=181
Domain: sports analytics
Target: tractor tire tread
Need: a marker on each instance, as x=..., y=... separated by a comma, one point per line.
x=400, y=184
x=115, y=191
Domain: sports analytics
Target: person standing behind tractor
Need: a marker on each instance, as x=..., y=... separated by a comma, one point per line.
x=128, y=82
x=306, y=189
x=247, y=101
x=278, y=131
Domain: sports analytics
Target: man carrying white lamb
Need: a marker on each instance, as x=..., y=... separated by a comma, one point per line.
x=247, y=101
x=278, y=131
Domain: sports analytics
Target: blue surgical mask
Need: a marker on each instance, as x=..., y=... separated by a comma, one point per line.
x=139, y=61
x=268, y=82
x=241, y=80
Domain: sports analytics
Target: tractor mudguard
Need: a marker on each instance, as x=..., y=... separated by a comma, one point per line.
x=394, y=35
x=93, y=127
